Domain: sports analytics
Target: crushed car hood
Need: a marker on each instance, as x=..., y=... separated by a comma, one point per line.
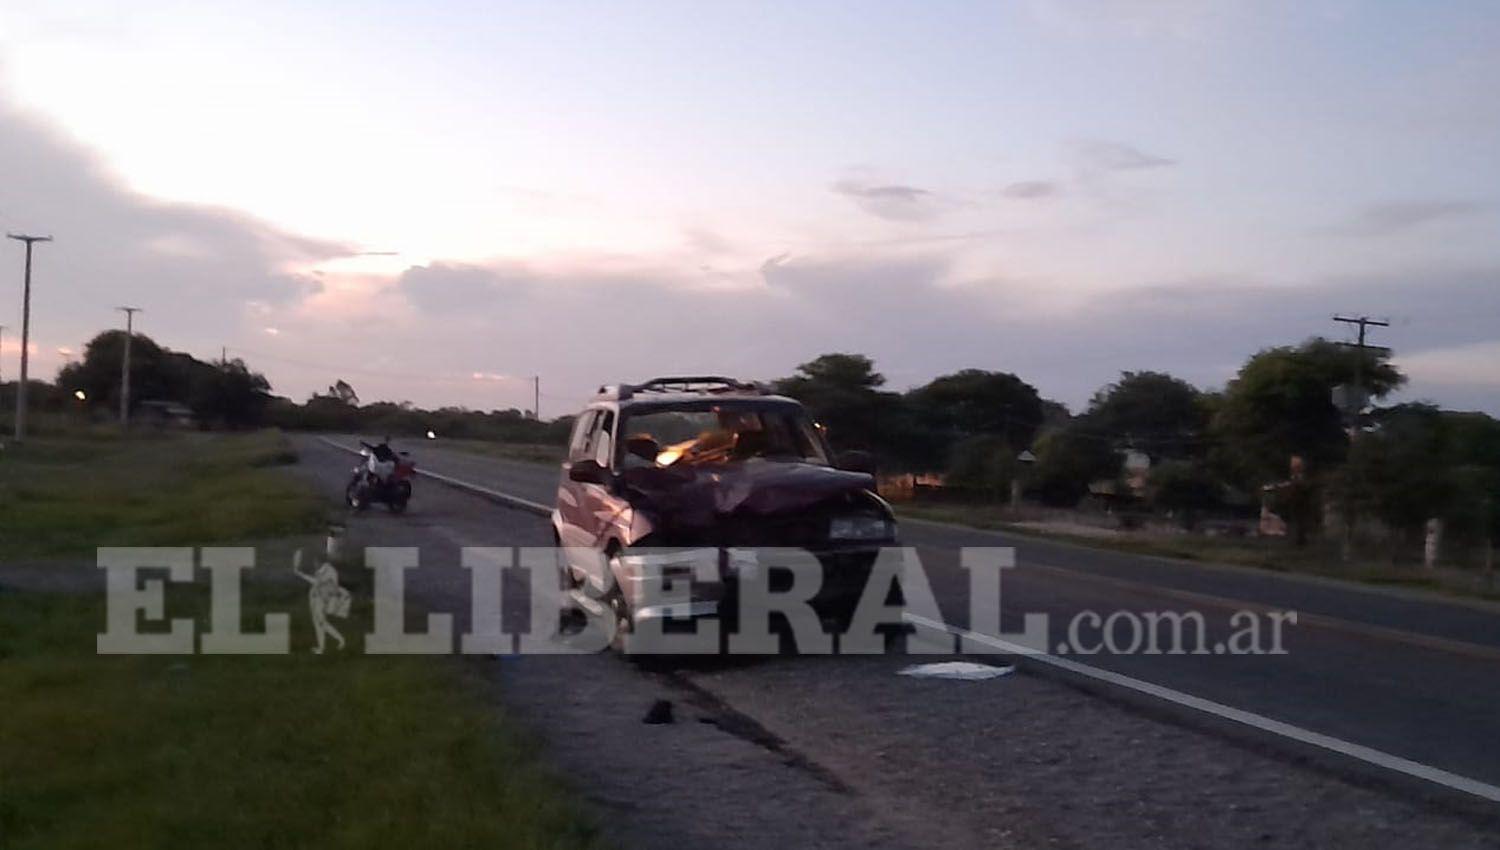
x=700, y=495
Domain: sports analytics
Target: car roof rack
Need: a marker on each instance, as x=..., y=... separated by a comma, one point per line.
x=706, y=384
x=696, y=384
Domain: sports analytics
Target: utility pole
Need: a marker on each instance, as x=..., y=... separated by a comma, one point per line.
x=1356, y=398
x=2, y=363
x=536, y=397
x=125, y=365
x=25, y=331
x=1354, y=402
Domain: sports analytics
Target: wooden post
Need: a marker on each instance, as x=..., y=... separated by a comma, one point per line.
x=1432, y=543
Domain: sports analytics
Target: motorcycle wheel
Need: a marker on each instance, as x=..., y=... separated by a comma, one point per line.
x=399, y=498
x=357, y=495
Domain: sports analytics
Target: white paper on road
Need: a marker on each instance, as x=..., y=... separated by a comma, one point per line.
x=956, y=670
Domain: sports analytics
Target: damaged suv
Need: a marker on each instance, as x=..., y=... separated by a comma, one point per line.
x=708, y=463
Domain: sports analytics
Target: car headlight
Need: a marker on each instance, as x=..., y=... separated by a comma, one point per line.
x=861, y=528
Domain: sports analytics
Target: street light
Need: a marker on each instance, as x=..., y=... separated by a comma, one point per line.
x=1026, y=459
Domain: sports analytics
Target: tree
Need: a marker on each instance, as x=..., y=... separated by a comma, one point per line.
x=1068, y=460
x=975, y=401
x=229, y=394
x=1418, y=463
x=1281, y=404
x=1153, y=412
x=1474, y=444
x=852, y=373
x=1054, y=414
x=842, y=391
x=1183, y=487
x=98, y=373
x=985, y=464
x=342, y=391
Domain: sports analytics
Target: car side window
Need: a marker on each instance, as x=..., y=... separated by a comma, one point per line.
x=578, y=446
x=602, y=443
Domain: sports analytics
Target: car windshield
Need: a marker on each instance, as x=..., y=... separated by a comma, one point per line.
x=714, y=434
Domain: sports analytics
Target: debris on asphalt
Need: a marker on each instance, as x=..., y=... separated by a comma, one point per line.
x=660, y=713
x=956, y=670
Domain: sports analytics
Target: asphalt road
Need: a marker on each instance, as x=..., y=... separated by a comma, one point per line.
x=1400, y=673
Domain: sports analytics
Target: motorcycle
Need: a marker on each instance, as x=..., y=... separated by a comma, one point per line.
x=382, y=476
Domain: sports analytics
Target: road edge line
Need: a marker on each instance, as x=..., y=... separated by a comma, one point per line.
x=1338, y=746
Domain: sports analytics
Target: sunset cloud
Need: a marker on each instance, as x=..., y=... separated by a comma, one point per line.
x=893, y=202
x=1057, y=189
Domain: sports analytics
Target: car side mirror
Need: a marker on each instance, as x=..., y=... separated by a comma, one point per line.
x=857, y=461
x=588, y=471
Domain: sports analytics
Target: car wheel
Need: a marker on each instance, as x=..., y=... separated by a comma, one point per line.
x=567, y=582
x=619, y=607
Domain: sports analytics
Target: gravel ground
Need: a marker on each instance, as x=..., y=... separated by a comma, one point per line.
x=1025, y=761
x=696, y=782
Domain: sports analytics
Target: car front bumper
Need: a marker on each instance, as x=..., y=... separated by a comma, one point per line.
x=706, y=581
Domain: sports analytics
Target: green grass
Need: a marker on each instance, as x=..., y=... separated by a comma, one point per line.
x=333, y=751
x=69, y=494
x=341, y=750
x=527, y=452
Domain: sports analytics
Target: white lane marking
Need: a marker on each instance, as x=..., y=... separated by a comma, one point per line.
x=513, y=501
x=1359, y=752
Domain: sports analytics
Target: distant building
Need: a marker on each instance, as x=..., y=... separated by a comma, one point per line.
x=1137, y=469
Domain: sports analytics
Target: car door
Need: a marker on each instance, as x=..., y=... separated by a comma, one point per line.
x=572, y=499
x=587, y=510
x=599, y=500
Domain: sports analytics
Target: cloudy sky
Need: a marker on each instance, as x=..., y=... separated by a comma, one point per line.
x=437, y=200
